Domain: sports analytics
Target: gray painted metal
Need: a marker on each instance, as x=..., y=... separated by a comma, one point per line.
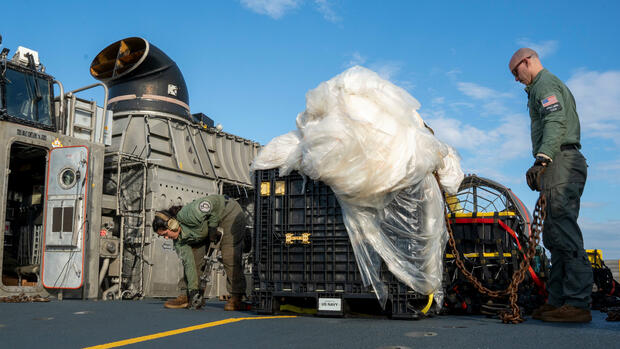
x=140, y=162
x=152, y=267
x=175, y=143
x=10, y=133
x=89, y=120
x=65, y=210
x=160, y=161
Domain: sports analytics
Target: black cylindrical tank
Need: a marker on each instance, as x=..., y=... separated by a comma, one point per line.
x=141, y=78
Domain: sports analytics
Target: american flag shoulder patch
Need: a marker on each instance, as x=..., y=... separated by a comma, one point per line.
x=549, y=101
x=549, y=105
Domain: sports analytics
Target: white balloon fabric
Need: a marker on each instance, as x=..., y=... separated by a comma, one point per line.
x=362, y=136
x=283, y=152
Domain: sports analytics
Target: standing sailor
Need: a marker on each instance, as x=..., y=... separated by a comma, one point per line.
x=559, y=171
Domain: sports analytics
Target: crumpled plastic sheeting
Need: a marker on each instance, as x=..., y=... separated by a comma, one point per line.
x=282, y=152
x=363, y=136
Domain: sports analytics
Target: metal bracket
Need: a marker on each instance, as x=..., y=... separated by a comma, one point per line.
x=304, y=238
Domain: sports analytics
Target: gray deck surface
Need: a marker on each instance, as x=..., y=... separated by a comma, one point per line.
x=77, y=324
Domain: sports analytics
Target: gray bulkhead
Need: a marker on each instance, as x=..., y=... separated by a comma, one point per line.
x=160, y=155
x=42, y=245
x=161, y=161
x=153, y=154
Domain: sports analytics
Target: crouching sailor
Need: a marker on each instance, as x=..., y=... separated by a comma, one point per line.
x=197, y=223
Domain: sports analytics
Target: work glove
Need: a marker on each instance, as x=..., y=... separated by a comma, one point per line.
x=194, y=300
x=214, y=234
x=247, y=240
x=533, y=175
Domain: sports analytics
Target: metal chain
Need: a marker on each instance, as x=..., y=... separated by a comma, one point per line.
x=513, y=317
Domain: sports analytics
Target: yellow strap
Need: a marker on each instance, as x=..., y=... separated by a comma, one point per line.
x=296, y=309
x=428, y=305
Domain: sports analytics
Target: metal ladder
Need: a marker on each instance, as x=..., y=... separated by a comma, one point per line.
x=24, y=243
x=82, y=119
x=125, y=161
x=36, y=244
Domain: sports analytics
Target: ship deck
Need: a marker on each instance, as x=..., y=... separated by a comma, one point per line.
x=147, y=324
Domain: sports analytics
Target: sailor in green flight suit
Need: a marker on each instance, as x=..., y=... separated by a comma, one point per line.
x=560, y=172
x=195, y=223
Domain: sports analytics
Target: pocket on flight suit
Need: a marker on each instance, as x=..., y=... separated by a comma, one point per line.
x=563, y=202
x=578, y=283
x=569, y=166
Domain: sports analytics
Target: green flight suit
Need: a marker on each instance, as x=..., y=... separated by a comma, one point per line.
x=195, y=220
x=556, y=133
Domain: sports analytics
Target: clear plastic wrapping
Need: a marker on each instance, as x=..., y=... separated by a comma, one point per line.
x=363, y=136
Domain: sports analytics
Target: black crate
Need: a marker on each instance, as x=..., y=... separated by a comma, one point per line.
x=322, y=265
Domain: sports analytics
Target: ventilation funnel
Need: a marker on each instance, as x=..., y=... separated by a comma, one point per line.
x=141, y=78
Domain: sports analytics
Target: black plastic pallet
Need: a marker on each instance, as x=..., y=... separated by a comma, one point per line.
x=318, y=259
x=399, y=306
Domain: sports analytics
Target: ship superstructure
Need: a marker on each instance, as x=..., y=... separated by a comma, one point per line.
x=81, y=181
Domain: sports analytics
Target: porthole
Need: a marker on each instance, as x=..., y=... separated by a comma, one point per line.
x=67, y=178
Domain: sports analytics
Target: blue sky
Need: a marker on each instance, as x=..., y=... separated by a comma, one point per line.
x=249, y=63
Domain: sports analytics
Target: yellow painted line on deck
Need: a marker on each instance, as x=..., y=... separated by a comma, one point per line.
x=181, y=330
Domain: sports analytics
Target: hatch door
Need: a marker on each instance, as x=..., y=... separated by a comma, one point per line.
x=65, y=217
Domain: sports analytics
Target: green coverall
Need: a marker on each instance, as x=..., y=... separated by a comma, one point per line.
x=556, y=133
x=195, y=219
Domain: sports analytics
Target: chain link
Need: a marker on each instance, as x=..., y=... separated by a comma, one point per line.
x=514, y=316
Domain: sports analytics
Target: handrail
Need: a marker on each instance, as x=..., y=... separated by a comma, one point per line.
x=62, y=101
x=105, y=104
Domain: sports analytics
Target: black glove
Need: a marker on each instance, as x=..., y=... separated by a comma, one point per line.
x=194, y=300
x=214, y=235
x=247, y=240
x=533, y=174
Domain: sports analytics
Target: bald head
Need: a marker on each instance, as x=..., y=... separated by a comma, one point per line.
x=525, y=65
x=521, y=54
